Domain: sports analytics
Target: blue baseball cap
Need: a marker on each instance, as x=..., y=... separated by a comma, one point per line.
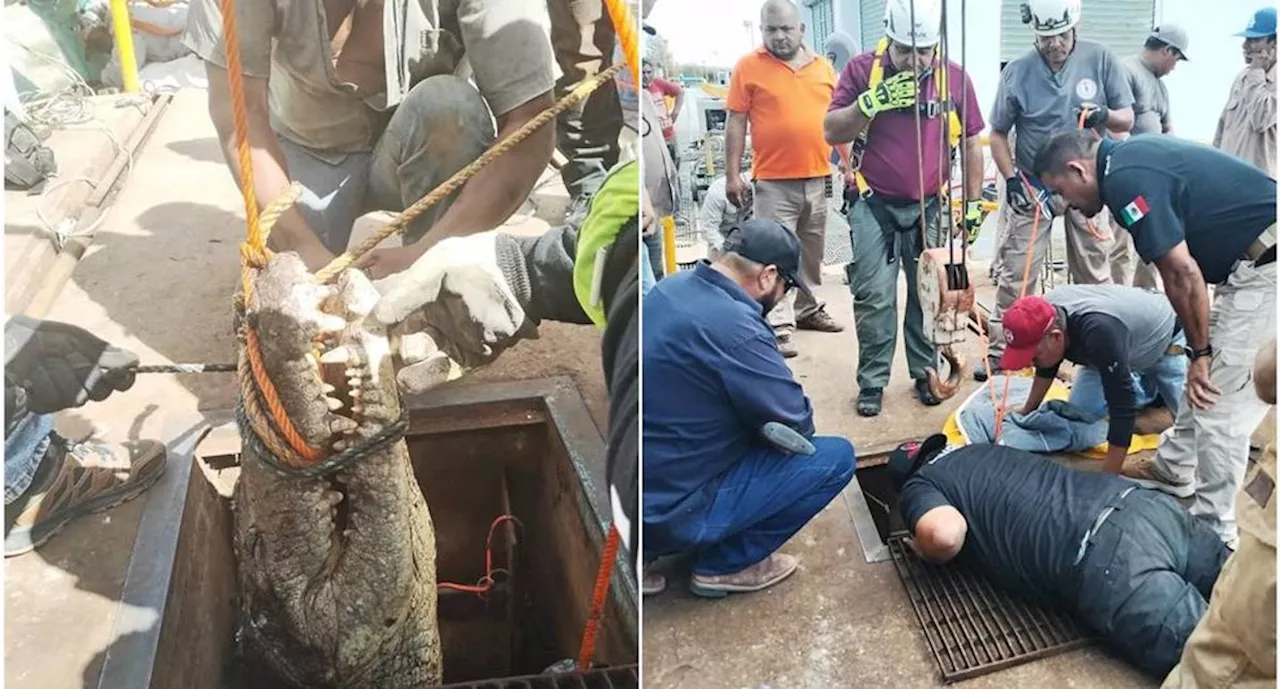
x=1261, y=25
x=769, y=243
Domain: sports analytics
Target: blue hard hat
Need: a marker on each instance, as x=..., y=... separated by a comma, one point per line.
x=1261, y=25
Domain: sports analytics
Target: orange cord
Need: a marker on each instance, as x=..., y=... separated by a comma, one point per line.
x=598, y=598
x=486, y=582
x=625, y=31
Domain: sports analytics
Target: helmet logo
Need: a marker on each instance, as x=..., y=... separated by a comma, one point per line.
x=1087, y=88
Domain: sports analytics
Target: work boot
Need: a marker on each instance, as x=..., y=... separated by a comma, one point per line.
x=821, y=321
x=653, y=582
x=982, y=370
x=1141, y=469
x=757, y=577
x=925, y=395
x=869, y=401
x=76, y=479
x=786, y=346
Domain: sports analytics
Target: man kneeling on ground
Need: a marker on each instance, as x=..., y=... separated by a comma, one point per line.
x=716, y=483
x=1127, y=561
x=1128, y=341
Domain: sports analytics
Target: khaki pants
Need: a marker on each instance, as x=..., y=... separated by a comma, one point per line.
x=801, y=205
x=1234, y=644
x=1087, y=259
x=1127, y=267
x=582, y=36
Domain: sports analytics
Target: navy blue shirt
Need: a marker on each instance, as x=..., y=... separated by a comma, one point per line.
x=1165, y=190
x=1026, y=515
x=713, y=376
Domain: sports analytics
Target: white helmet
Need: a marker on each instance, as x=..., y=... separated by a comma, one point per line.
x=1051, y=17
x=928, y=22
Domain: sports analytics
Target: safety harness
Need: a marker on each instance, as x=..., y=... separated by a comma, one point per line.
x=888, y=223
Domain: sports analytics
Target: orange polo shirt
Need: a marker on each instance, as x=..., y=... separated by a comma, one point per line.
x=785, y=108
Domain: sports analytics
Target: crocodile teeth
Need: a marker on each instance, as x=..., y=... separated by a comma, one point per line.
x=333, y=497
x=339, y=445
x=333, y=404
x=341, y=424
x=329, y=323
x=356, y=393
x=338, y=355
x=328, y=389
x=357, y=406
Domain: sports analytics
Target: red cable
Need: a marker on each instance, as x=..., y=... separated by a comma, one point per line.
x=603, y=576
x=485, y=583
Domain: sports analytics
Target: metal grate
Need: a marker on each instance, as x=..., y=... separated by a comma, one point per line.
x=625, y=677
x=973, y=628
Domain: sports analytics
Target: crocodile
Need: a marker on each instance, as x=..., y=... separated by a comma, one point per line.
x=337, y=574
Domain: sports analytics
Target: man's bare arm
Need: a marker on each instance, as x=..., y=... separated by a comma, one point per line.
x=735, y=143
x=1120, y=121
x=843, y=125
x=1185, y=287
x=1039, y=388
x=939, y=534
x=1002, y=154
x=489, y=198
x=270, y=172
x=975, y=168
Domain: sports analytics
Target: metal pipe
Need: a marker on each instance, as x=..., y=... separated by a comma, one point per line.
x=123, y=30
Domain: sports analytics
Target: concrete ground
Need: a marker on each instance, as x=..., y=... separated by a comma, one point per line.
x=159, y=280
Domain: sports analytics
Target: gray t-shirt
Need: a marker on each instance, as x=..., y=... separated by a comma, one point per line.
x=1148, y=316
x=1150, y=98
x=1040, y=103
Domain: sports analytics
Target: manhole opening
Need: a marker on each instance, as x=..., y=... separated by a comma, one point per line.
x=515, y=463
x=882, y=501
x=971, y=627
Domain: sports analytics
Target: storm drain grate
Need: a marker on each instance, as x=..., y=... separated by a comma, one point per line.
x=625, y=677
x=973, y=628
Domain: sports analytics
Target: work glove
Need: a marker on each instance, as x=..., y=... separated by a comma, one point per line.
x=51, y=366
x=1093, y=113
x=466, y=297
x=895, y=93
x=974, y=216
x=1023, y=200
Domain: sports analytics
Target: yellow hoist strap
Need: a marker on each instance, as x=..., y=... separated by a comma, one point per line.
x=877, y=75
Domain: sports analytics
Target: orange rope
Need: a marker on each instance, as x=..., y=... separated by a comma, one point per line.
x=598, y=598
x=625, y=31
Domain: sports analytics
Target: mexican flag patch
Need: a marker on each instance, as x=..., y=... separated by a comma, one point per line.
x=1135, y=211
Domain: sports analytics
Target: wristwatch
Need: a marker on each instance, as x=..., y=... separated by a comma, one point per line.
x=1194, y=354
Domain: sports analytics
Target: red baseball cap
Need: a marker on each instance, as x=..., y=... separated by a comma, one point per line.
x=1026, y=322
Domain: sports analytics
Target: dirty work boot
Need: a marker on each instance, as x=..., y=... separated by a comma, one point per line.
x=982, y=370
x=869, y=401
x=786, y=346
x=821, y=321
x=925, y=395
x=757, y=577
x=653, y=582
x=75, y=479
x=1141, y=469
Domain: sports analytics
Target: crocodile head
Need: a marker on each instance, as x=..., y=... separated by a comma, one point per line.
x=337, y=574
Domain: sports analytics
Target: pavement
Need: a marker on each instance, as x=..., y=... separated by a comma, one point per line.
x=159, y=280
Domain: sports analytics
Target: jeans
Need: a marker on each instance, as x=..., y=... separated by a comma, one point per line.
x=1210, y=447
x=1167, y=378
x=23, y=450
x=1146, y=578
x=647, y=277
x=765, y=499
x=873, y=280
x=653, y=245
x=442, y=125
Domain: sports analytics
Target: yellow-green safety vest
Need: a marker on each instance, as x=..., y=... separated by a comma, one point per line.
x=616, y=202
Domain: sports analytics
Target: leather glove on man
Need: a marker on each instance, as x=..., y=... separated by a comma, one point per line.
x=51, y=366
x=895, y=93
x=1024, y=200
x=466, y=298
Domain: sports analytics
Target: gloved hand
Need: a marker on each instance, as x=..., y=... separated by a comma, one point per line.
x=469, y=295
x=1094, y=114
x=974, y=216
x=894, y=93
x=1024, y=200
x=60, y=366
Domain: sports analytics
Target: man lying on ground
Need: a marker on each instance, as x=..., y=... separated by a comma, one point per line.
x=1128, y=341
x=1127, y=561
x=714, y=379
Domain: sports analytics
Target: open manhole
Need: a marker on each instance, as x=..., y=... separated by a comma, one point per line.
x=974, y=628
x=527, y=449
